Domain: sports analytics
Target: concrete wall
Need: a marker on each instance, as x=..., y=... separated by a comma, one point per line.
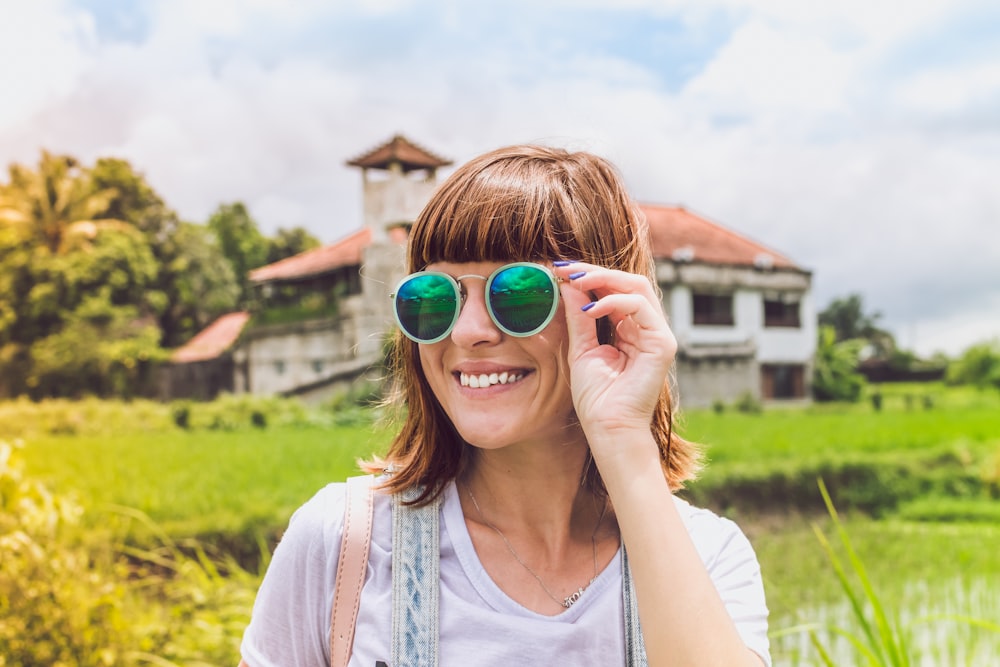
x=317, y=359
x=392, y=197
x=701, y=381
x=283, y=357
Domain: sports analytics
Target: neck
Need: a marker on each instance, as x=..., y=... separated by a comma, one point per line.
x=538, y=493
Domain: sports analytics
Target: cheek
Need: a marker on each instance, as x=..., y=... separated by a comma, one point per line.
x=430, y=362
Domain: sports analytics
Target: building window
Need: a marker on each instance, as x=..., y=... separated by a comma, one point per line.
x=713, y=309
x=317, y=366
x=782, y=312
x=783, y=381
x=279, y=367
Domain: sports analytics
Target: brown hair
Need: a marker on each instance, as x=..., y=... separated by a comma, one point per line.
x=513, y=204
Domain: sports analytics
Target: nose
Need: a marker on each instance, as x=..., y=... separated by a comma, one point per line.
x=474, y=326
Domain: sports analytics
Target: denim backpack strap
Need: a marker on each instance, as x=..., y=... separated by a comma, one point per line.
x=416, y=566
x=635, y=647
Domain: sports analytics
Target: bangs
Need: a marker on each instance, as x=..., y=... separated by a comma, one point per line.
x=499, y=212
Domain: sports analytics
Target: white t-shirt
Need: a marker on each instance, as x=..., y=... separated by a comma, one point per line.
x=480, y=626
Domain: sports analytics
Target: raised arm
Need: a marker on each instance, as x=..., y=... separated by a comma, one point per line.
x=615, y=389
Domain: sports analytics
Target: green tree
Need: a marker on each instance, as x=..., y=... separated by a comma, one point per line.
x=56, y=204
x=195, y=283
x=288, y=243
x=849, y=321
x=240, y=241
x=834, y=374
x=979, y=366
x=199, y=283
x=77, y=304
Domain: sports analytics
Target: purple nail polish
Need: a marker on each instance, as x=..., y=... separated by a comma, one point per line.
x=578, y=274
x=562, y=262
x=588, y=306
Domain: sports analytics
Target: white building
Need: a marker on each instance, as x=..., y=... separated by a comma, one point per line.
x=742, y=313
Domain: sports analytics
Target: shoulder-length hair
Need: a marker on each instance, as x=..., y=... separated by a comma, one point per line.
x=512, y=204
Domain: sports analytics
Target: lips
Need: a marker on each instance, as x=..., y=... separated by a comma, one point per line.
x=483, y=380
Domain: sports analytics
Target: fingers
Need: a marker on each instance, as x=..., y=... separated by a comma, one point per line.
x=628, y=300
x=601, y=282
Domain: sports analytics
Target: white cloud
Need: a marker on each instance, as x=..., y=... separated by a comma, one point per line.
x=45, y=49
x=766, y=70
x=949, y=90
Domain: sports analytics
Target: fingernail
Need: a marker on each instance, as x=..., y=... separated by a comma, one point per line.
x=562, y=262
x=588, y=306
x=578, y=274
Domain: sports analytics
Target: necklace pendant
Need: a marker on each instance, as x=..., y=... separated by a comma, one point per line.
x=571, y=599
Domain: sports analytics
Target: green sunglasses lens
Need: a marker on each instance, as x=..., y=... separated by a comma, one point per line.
x=426, y=307
x=522, y=299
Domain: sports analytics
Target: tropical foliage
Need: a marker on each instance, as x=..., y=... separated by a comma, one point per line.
x=835, y=377
x=99, y=277
x=979, y=365
x=849, y=321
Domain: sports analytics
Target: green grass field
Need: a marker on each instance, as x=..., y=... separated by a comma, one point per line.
x=957, y=417
x=203, y=483
x=233, y=484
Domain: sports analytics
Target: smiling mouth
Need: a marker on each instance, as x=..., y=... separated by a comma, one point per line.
x=489, y=379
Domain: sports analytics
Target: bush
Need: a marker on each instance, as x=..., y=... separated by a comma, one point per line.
x=69, y=601
x=747, y=403
x=181, y=414
x=59, y=603
x=835, y=376
x=979, y=365
x=877, y=485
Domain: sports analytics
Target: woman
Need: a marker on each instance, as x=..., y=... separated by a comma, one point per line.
x=532, y=364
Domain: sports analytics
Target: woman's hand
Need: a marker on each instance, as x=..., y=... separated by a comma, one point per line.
x=615, y=386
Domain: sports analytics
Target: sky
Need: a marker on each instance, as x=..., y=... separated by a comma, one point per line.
x=861, y=138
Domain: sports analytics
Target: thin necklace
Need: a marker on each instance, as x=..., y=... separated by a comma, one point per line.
x=569, y=600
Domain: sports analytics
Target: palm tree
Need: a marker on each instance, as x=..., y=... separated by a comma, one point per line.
x=56, y=206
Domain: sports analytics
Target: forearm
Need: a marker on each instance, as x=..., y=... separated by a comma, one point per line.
x=683, y=617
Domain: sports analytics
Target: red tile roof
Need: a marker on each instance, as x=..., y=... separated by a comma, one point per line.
x=402, y=150
x=677, y=233
x=346, y=252
x=213, y=340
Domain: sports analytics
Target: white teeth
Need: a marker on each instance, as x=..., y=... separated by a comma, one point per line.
x=483, y=380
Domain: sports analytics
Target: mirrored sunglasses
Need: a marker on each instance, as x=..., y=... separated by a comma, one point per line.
x=521, y=299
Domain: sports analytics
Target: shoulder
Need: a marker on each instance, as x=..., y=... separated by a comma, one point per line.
x=290, y=623
x=320, y=520
x=714, y=537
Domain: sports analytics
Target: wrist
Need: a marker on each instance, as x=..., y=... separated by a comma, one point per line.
x=624, y=449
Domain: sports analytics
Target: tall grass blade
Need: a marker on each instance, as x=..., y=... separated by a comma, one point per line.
x=818, y=645
x=856, y=606
x=889, y=643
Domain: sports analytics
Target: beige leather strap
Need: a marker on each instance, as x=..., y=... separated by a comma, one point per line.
x=358, y=508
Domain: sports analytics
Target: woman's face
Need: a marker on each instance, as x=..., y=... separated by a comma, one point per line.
x=499, y=390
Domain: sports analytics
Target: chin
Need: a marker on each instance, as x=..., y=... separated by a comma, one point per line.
x=481, y=440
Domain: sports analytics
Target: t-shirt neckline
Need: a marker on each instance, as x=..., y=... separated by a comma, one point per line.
x=490, y=592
